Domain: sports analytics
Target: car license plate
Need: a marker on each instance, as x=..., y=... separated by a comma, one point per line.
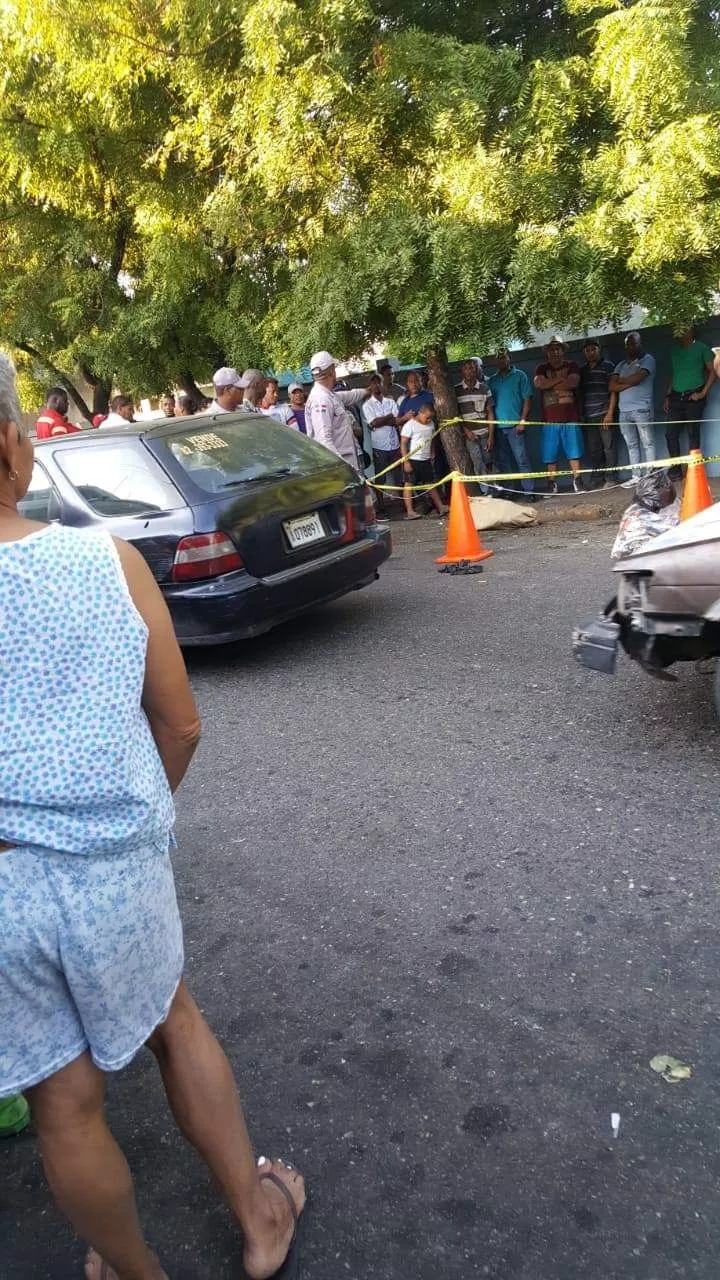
x=304, y=529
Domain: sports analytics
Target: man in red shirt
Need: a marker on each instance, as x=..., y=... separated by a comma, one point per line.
x=53, y=420
x=557, y=380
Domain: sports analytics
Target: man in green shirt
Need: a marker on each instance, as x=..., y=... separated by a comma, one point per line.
x=691, y=378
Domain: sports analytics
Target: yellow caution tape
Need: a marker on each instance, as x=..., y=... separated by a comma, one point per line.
x=492, y=478
x=505, y=422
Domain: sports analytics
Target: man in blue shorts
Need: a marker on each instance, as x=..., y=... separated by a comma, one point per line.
x=557, y=380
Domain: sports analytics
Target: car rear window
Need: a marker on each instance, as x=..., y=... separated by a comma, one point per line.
x=220, y=455
x=119, y=478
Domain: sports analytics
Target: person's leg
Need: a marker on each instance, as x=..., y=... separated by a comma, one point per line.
x=437, y=502
x=571, y=439
x=632, y=440
x=505, y=460
x=672, y=434
x=518, y=448
x=410, y=513
x=476, y=456
x=86, y=1170
x=204, y=1101
x=549, y=449
x=646, y=431
x=608, y=436
x=692, y=413
x=594, y=455
x=379, y=465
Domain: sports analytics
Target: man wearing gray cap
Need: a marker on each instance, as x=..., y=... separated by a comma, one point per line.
x=253, y=383
x=327, y=413
x=228, y=391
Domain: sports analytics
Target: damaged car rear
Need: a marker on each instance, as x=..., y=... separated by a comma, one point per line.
x=667, y=607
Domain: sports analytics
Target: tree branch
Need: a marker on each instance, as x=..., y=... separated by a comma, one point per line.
x=57, y=373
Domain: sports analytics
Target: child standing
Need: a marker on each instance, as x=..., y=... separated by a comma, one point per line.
x=417, y=443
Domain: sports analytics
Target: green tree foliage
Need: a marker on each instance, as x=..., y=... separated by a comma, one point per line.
x=190, y=184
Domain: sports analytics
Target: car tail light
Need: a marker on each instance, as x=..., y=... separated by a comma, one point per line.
x=370, y=512
x=346, y=524
x=204, y=555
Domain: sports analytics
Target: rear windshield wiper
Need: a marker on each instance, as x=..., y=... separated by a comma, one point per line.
x=265, y=475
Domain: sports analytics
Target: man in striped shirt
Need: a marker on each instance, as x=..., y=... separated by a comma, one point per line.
x=599, y=427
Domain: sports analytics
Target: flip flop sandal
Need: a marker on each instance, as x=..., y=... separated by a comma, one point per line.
x=290, y=1268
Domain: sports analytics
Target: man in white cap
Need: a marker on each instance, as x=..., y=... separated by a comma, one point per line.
x=327, y=412
x=253, y=383
x=292, y=413
x=228, y=391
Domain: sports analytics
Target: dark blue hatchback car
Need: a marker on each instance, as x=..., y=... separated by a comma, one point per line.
x=243, y=521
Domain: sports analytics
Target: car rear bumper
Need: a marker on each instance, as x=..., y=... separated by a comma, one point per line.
x=237, y=606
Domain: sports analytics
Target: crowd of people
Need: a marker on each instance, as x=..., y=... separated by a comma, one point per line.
x=389, y=430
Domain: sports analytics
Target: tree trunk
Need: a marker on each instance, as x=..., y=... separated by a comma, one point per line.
x=101, y=389
x=60, y=377
x=187, y=383
x=101, y=396
x=446, y=405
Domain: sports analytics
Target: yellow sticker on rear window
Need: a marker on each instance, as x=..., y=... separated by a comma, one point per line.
x=208, y=440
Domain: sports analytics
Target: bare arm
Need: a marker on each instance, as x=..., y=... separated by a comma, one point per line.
x=631, y=380
x=405, y=453
x=527, y=402
x=611, y=410
x=167, y=700
x=544, y=383
x=709, y=379
x=357, y=396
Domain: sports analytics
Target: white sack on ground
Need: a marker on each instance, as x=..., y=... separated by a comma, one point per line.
x=498, y=513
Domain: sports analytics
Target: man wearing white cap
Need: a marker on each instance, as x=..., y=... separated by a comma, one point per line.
x=228, y=391
x=293, y=412
x=327, y=416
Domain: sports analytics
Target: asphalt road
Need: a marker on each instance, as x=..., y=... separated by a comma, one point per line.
x=445, y=895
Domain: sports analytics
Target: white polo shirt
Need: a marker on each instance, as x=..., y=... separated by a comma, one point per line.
x=386, y=437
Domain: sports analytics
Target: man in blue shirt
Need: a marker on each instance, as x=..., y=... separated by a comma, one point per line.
x=409, y=404
x=512, y=396
x=633, y=383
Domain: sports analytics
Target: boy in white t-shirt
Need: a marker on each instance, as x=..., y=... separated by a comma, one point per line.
x=417, y=443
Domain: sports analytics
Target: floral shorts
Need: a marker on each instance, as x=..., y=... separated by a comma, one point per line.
x=91, y=955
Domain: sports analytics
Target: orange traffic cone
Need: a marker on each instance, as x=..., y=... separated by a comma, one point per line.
x=463, y=542
x=696, y=492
